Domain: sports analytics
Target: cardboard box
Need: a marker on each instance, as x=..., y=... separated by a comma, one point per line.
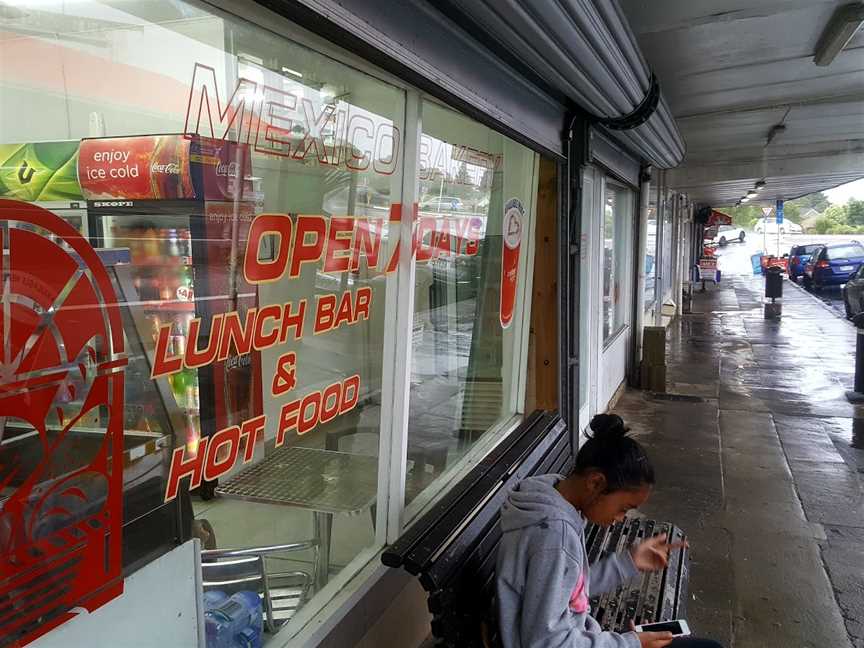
x=654, y=346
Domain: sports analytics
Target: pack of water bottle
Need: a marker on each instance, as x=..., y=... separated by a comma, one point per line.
x=233, y=621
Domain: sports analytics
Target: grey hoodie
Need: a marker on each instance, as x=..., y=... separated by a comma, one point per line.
x=543, y=577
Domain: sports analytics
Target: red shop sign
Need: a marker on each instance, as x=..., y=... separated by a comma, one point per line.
x=136, y=168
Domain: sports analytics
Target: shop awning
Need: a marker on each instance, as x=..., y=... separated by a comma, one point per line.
x=718, y=218
x=587, y=51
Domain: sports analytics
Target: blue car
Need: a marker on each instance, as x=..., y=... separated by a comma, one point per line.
x=833, y=265
x=799, y=255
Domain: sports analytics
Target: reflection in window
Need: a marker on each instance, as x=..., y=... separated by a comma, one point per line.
x=193, y=123
x=650, y=269
x=463, y=357
x=617, y=220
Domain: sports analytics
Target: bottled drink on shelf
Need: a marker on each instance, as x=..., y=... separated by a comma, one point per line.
x=173, y=243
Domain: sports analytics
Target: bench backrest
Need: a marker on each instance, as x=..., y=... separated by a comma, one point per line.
x=453, y=548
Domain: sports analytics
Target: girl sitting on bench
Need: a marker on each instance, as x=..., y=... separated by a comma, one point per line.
x=543, y=577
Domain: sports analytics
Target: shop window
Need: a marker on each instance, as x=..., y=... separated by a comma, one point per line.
x=200, y=222
x=651, y=257
x=617, y=246
x=202, y=243
x=476, y=207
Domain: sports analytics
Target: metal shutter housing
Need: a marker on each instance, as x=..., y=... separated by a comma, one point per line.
x=586, y=50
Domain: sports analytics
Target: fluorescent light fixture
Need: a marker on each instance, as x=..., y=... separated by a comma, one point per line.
x=745, y=199
x=838, y=32
x=288, y=70
x=760, y=185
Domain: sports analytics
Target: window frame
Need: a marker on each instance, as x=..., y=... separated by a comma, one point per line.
x=344, y=590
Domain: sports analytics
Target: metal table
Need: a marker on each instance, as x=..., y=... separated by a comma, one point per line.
x=325, y=482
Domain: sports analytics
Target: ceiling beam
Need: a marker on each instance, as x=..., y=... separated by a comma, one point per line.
x=815, y=163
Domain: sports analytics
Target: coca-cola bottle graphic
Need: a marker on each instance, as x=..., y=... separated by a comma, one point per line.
x=61, y=362
x=169, y=169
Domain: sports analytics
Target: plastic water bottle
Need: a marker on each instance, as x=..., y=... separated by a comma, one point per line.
x=214, y=598
x=235, y=623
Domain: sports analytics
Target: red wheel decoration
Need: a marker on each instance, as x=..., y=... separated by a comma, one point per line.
x=61, y=480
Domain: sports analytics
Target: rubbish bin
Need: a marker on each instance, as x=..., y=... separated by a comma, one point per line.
x=774, y=283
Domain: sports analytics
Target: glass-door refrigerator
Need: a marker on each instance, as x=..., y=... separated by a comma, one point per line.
x=182, y=206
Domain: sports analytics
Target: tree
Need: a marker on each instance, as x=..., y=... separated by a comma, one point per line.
x=818, y=201
x=743, y=216
x=462, y=176
x=855, y=212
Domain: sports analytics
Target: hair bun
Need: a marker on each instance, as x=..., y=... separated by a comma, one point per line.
x=608, y=427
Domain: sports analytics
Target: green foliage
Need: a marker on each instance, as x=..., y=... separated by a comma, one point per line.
x=855, y=212
x=817, y=201
x=744, y=216
x=823, y=225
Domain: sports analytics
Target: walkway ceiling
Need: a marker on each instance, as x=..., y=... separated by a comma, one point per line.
x=733, y=70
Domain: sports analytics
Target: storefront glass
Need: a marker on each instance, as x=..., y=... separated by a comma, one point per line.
x=200, y=225
x=651, y=258
x=617, y=233
x=476, y=209
x=241, y=193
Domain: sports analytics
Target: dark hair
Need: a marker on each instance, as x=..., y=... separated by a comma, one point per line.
x=619, y=457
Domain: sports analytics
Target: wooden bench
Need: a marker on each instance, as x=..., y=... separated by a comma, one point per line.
x=452, y=549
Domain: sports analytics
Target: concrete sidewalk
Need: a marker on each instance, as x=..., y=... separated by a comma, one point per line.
x=761, y=461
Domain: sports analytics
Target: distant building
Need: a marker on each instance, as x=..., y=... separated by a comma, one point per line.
x=807, y=219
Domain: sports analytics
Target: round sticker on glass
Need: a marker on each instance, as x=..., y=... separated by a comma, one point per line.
x=514, y=219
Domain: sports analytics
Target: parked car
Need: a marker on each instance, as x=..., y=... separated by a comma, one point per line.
x=853, y=294
x=799, y=255
x=443, y=204
x=768, y=225
x=728, y=233
x=833, y=265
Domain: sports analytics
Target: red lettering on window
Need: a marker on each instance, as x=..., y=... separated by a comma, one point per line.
x=255, y=270
x=235, y=335
x=308, y=243
x=367, y=241
x=329, y=409
x=290, y=319
x=181, y=467
x=260, y=340
x=215, y=467
x=308, y=423
x=324, y=313
x=163, y=363
x=336, y=259
x=251, y=431
x=196, y=358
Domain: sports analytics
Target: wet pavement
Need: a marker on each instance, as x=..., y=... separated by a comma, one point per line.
x=734, y=259
x=763, y=466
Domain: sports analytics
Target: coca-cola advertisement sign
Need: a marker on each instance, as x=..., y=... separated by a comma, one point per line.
x=136, y=168
x=224, y=169
x=514, y=219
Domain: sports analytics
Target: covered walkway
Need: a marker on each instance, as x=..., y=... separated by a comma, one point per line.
x=761, y=459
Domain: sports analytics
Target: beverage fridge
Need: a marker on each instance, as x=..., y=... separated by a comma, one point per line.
x=182, y=206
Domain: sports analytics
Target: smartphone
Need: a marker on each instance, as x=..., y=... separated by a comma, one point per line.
x=678, y=628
